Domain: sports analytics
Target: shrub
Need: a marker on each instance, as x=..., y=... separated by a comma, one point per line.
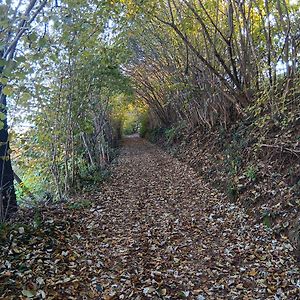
x=170, y=134
x=144, y=125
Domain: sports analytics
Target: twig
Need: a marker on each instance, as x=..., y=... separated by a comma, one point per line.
x=283, y=148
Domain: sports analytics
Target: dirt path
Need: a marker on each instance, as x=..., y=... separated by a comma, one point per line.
x=158, y=232
x=169, y=234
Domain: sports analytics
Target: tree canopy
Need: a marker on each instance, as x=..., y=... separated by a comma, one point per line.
x=71, y=71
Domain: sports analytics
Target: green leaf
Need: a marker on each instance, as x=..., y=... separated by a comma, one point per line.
x=25, y=97
x=9, y=67
x=32, y=37
x=42, y=42
x=2, y=116
x=267, y=221
x=2, y=62
x=3, y=80
x=2, y=45
x=20, y=75
x=20, y=59
x=8, y=90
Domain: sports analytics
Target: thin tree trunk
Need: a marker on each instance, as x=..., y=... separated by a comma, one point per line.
x=8, y=200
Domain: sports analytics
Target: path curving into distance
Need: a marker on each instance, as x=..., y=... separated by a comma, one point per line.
x=169, y=235
x=155, y=230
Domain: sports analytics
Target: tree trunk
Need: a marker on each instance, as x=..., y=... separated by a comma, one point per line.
x=8, y=200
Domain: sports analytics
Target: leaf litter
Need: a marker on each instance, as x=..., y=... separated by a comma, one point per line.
x=155, y=230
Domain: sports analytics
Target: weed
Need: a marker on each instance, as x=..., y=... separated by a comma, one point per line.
x=233, y=153
x=266, y=218
x=170, y=134
x=37, y=218
x=80, y=204
x=267, y=221
x=251, y=173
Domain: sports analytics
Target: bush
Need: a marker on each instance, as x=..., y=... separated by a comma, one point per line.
x=170, y=134
x=80, y=204
x=144, y=125
x=93, y=174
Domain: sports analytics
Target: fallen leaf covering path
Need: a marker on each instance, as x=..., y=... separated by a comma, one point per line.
x=155, y=231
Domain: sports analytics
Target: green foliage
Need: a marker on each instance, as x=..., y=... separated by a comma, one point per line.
x=34, y=183
x=173, y=133
x=233, y=151
x=156, y=133
x=74, y=82
x=144, y=125
x=80, y=204
x=153, y=134
x=37, y=218
x=233, y=161
x=91, y=175
x=131, y=120
x=130, y=128
x=8, y=90
x=76, y=95
x=31, y=165
x=267, y=221
x=251, y=173
x=278, y=106
x=170, y=134
x=267, y=217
